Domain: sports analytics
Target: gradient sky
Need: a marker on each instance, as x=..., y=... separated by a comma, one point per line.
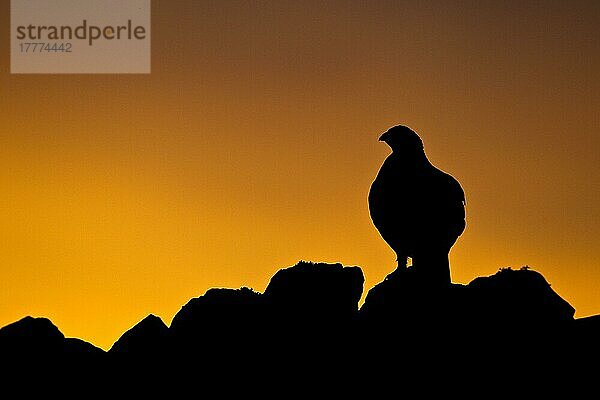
x=253, y=143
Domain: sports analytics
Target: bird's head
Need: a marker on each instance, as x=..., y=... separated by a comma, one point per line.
x=403, y=139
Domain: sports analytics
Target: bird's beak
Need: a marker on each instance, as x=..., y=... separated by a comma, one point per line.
x=383, y=137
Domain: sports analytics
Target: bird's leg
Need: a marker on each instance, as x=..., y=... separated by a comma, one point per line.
x=434, y=267
x=402, y=261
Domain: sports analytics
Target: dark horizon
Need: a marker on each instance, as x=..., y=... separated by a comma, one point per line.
x=310, y=297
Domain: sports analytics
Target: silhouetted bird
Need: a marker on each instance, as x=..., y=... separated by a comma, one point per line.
x=418, y=209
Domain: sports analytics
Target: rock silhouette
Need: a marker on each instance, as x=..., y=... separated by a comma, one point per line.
x=307, y=300
x=508, y=302
x=418, y=209
x=308, y=321
x=36, y=345
x=147, y=339
x=218, y=325
x=327, y=294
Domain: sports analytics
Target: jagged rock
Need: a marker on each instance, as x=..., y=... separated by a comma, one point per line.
x=146, y=339
x=508, y=302
x=307, y=297
x=216, y=309
x=518, y=299
x=38, y=342
x=31, y=336
x=309, y=316
x=220, y=322
x=311, y=311
x=327, y=293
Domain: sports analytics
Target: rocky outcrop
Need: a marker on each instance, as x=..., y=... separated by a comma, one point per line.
x=510, y=298
x=309, y=316
x=327, y=294
x=146, y=340
x=37, y=342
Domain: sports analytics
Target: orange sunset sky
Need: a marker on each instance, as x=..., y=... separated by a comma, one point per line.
x=253, y=143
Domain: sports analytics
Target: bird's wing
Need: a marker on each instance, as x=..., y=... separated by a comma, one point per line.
x=452, y=190
x=457, y=204
x=387, y=201
x=446, y=200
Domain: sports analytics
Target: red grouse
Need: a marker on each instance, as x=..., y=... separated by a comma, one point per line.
x=418, y=209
